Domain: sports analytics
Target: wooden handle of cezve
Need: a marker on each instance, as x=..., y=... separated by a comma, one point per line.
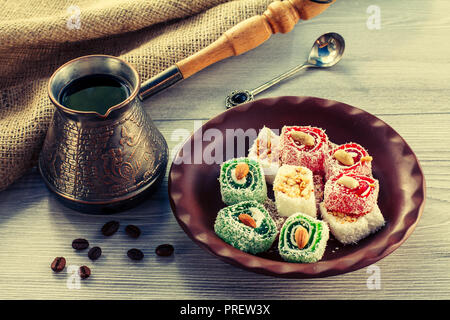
x=280, y=16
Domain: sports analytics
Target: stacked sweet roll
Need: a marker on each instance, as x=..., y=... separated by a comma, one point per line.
x=309, y=173
x=294, y=191
x=266, y=150
x=304, y=146
x=242, y=179
x=303, y=239
x=349, y=157
x=247, y=226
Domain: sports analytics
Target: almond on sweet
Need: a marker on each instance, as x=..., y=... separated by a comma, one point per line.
x=303, y=138
x=241, y=170
x=348, y=182
x=344, y=157
x=247, y=220
x=301, y=237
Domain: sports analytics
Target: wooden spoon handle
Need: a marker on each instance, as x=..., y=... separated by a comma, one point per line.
x=280, y=16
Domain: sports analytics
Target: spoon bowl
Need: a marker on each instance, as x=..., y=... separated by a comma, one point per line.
x=327, y=50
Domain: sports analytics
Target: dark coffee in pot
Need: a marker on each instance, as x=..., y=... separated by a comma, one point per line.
x=96, y=93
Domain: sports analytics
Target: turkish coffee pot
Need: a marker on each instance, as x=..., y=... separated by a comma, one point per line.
x=104, y=158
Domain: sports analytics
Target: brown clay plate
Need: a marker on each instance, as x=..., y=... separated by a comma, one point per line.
x=195, y=196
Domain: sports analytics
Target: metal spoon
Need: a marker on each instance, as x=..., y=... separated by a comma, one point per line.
x=326, y=52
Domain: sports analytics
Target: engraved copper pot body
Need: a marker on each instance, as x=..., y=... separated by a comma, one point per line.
x=101, y=163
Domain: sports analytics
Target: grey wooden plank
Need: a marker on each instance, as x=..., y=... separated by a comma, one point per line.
x=395, y=70
x=193, y=273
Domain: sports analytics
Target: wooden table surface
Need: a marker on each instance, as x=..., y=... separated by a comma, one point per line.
x=400, y=73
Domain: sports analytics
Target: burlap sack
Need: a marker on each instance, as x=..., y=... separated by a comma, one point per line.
x=38, y=36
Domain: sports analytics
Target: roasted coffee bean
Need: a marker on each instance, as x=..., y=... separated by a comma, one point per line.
x=58, y=264
x=95, y=253
x=84, y=272
x=80, y=244
x=135, y=254
x=164, y=250
x=133, y=231
x=110, y=228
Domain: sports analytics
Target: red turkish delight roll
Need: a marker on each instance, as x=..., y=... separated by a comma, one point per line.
x=304, y=146
x=348, y=158
x=351, y=194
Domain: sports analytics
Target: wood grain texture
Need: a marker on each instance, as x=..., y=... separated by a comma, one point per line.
x=389, y=72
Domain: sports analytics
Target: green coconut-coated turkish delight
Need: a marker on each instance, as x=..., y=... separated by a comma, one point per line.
x=242, y=179
x=314, y=249
x=247, y=226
